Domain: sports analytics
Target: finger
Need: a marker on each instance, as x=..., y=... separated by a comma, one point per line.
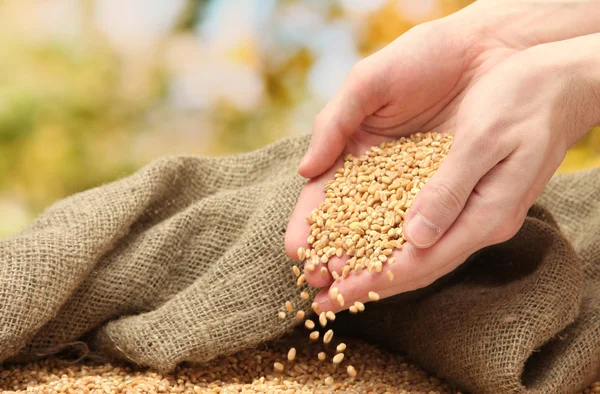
x=444, y=196
x=362, y=94
x=298, y=230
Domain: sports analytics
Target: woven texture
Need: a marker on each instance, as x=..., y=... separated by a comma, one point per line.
x=184, y=261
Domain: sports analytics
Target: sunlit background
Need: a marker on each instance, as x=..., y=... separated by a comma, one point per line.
x=92, y=90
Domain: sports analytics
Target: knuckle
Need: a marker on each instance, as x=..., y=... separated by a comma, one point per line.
x=508, y=225
x=359, y=74
x=448, y=197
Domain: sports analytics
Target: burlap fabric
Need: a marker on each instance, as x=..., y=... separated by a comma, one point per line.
x=184, y=261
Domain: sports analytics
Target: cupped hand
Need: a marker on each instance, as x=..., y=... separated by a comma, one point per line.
x=515, y=106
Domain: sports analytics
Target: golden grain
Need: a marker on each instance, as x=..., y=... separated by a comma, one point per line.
x=340, y=299
x=296, y=271
x=323, y=319
x=338, y=358
x=291, y=354
x=390, y=275
x=301, y=254
x=289, y=306
x=373, y=296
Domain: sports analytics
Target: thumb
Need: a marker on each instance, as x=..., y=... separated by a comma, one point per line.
x=442, y=199
x=359, y=97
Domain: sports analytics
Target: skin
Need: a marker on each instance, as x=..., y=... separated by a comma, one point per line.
x=517, y=82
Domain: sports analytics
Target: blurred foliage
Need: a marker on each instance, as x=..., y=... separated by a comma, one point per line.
x=81, y=105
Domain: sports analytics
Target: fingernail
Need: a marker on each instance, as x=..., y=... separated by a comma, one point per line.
x=422, y=232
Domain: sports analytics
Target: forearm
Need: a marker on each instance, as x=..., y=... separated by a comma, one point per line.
x=575, y=65
x=531, y=22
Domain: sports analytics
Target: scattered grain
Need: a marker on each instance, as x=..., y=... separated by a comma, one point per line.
x=338, y=358
x=278, y=366
x=373, y=296
x=328, y=336
x=301, y=253
x=390, y=275
x=309, y=324
x=291, y=354
x=300, y=315
x=323, y=319
x=341, y=347
x=296, y=271
x=351, y=371
x=340, y=299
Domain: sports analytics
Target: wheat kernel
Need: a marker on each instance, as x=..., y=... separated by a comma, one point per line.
x=333, y=293
x=291, y=354
x=278, y=367
x=328, y=336
x=301, y=253
x=373, y=296
x=351, y=371
x=322, y=356
x=340, y=299
x=289, y=306
x=315, y=307
x=323, y=319
x=309, y=324
x=324, y=271
x=330, y=315
x=353, y=309
x=341, y=347
x=301, y=280
x=338, y=358
x=390, y=275
x=281, y=315
x=304, y=296
x=310, y=267
x=360, y=306
x=329, y=380
x=314, y=335
x=296, y=271
x=335, y=275
x=300, y=315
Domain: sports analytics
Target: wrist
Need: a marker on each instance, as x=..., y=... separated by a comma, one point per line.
x=574, y=66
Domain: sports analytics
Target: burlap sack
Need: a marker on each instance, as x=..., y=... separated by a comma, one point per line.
x=184, y=261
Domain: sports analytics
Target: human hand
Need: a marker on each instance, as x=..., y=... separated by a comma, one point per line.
x=454, y=81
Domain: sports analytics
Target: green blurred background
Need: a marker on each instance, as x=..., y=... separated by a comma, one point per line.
x=90, y=90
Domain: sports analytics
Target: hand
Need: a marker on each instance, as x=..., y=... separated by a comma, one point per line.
x=514, y=109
